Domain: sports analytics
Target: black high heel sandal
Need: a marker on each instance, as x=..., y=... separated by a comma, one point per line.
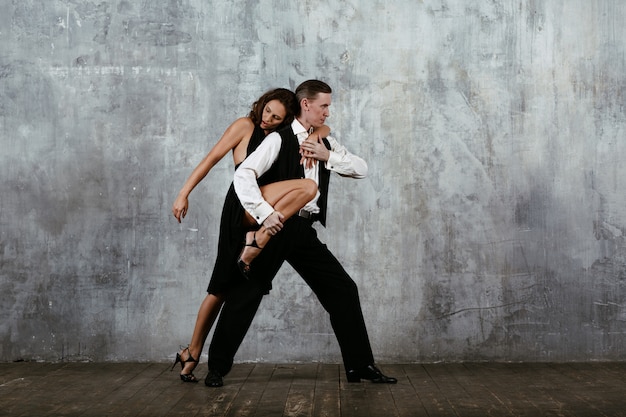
x=185, y=377
x=244, y=268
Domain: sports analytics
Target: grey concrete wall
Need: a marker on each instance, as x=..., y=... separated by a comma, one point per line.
x=492, y=226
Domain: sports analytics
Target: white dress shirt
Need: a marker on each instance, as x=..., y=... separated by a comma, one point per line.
x=257, y=163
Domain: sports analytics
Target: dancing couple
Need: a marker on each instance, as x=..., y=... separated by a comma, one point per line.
x=284, y=155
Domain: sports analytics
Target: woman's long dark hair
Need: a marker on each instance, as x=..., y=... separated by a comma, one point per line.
x=286, y=97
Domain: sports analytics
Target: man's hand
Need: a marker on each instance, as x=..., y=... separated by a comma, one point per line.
x=313, y=149
x=274, y=223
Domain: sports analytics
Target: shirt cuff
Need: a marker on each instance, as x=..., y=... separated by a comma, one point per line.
x=333, y=159
x=262, y=212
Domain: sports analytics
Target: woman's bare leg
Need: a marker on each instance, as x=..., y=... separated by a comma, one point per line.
x=207, y=314
x=287, y=197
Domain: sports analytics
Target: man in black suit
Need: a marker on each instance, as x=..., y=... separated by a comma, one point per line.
x=285, y=155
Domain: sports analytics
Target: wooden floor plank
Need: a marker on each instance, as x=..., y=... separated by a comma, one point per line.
x=219, y=401
x=380, y=400
x=300, y=399
x=21, y=380
x=552, y=392
x=247, y=400
x=267, y=390
x=589, y=389
x=499, y=384
x=610, y=383
x=473, y=399
x=353, y=400
x=426, y=384
x=274, y=397
x=87, y=392
x=326, y=401
x=405, y=398
x=153, y=394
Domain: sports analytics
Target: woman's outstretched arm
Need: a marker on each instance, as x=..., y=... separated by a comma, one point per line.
x=231, y=139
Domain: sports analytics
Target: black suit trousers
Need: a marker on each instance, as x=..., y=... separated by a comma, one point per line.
x=299, y=245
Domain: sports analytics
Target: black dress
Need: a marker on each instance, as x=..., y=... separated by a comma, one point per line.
x=232, y=232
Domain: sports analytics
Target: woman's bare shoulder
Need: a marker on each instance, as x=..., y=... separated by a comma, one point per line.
x=243, y=123
x=238, y=130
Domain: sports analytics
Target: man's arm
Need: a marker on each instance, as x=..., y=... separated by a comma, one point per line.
x=337, y=159
x=345, y=163
x=245, y=180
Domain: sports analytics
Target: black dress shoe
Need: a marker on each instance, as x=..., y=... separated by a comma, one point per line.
x=213, y=379
x=369, y=372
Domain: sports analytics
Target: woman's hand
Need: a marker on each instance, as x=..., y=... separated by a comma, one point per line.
x=179, y=209
x=313, y=149
x=307, y=162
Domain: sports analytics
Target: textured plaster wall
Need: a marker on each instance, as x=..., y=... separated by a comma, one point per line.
x=492, y=225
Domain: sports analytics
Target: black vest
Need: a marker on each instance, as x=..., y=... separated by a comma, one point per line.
x=287, y=167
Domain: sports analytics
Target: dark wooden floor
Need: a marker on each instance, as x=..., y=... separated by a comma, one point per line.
x=469, y=389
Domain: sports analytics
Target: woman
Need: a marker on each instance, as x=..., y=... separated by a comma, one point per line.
x=273, y=110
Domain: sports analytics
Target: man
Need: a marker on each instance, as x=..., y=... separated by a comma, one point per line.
x=281, y=156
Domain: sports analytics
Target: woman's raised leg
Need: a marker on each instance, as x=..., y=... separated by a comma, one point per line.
x=287, y=197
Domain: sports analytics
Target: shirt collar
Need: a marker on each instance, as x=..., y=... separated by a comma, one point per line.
x=297, y=127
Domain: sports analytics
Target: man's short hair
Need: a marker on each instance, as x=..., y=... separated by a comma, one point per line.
x=311, y=88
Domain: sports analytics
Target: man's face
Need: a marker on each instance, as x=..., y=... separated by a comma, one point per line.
x=316, y=110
